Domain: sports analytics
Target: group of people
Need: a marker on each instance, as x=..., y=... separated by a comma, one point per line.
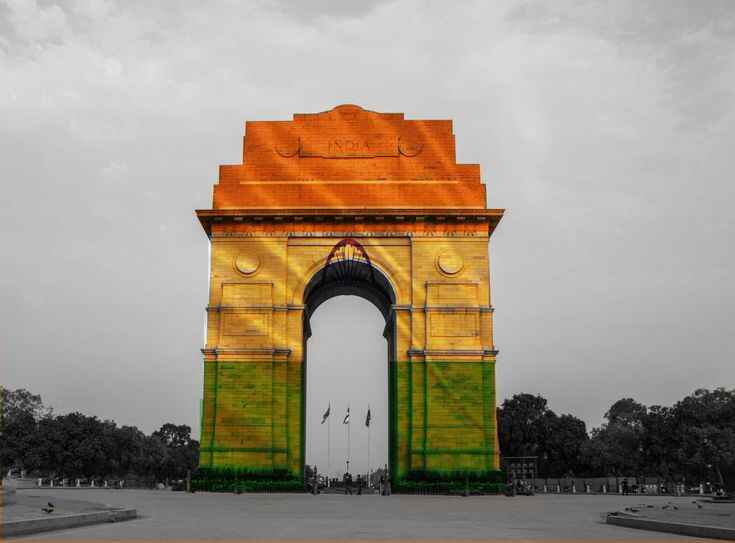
x=383, y=484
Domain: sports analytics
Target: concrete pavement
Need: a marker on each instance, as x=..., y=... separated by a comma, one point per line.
x=176, y=515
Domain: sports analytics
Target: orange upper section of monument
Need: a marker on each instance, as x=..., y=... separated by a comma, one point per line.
x=349, y=158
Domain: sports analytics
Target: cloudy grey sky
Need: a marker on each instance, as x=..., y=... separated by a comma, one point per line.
x=605, y=128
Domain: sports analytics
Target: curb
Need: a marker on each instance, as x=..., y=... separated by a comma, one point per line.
x=693, y=530
x=32, y=526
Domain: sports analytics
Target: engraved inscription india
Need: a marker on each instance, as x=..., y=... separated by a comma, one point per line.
x=350, y=146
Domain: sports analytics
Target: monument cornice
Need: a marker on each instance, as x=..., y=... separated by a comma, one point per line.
x=284, y=217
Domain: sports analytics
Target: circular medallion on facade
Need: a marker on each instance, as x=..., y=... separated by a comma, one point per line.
x=288, y=146
x=409, y=146
x=449, y=263
x=247, y=264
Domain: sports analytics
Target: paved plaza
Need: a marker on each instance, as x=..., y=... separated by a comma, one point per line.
x=176, y=515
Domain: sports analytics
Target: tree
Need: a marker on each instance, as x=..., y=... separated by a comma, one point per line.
x=527, y=427
x=79, y=446
x=626, y=412
x=659, y=443
x=704, y=425
x=20, y=403
x=521, y=425
x=75, y=445
x=562, y=455
x=617, y=447
x=182, y=452
x=694, y=439
x=134, y=456
x=20, y=412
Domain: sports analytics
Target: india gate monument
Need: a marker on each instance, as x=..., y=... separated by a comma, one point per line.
x=350, y=201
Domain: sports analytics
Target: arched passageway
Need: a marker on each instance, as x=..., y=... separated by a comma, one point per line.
x=345, y=366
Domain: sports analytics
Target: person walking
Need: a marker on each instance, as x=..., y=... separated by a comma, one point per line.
x=347, y=480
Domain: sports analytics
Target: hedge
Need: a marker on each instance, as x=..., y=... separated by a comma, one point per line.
x=245, y=480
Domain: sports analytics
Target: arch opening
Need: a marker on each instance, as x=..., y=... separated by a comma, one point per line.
x=357, y=278
x=350, y=277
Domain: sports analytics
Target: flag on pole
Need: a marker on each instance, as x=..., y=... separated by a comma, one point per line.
x=325, y=416
x=367, y=418
x=347, y=417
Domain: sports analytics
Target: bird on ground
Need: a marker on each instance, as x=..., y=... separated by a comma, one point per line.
x=49, y=509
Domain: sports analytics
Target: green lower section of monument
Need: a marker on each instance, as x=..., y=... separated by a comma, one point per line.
x=245, y=480
x=441, y=422
x=460, y=482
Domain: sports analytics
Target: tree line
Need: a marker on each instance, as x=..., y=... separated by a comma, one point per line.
x=74, y=445
x=693, y=440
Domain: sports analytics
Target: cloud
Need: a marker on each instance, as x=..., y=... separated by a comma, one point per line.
x=687, y=42
x=325, y=9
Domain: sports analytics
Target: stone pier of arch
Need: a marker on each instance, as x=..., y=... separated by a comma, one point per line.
x=393, y=186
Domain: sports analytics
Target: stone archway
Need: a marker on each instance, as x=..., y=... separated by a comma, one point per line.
x=393, y=188
x=352, y=275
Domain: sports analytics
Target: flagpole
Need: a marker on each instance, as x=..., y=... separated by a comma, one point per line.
x=329, y=442
x=349, y=447
x=369, y=448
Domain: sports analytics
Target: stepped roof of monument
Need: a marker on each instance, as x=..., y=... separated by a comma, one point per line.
x=352, y=158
